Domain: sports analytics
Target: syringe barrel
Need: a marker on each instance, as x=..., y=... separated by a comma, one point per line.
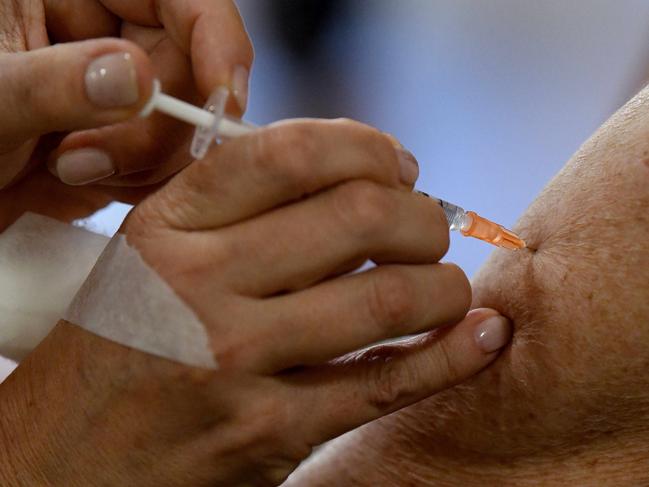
x=455, y=216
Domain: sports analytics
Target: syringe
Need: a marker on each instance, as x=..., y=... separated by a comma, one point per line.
x=470, y=224
x=213, y=124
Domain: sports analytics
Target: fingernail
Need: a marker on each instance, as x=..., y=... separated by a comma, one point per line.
x=493, y=334
x=408, y=167
x=240, y=77
x=83, y=166
x=111, y=81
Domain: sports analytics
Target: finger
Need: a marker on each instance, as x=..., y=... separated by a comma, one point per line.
x=380, y=380
x=88, y=84
x=141, y=150
x=351, y=312
x=410, y=166
x=210, y=32
x=355, y=221
x=77, y=20
x=274, y=166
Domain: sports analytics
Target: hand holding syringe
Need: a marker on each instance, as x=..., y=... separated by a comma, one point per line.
x=212, y=124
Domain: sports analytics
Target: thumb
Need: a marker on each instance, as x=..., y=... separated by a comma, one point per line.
x=71, y=86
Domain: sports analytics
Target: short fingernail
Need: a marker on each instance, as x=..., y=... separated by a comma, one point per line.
x=240, y=77
x=83, y=166
x=493, y=334
x=408, y=167
x=111, y=81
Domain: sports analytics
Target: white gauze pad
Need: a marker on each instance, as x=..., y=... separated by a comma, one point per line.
x=124, y=300
x=42, y=264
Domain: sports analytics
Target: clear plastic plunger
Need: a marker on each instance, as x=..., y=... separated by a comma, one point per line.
x=212, y=123
x=222, y=127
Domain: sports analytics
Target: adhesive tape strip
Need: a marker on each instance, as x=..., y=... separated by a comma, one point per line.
x=124, y=300
x=42, y=264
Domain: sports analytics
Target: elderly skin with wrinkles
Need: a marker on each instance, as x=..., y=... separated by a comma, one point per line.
x=568, y=402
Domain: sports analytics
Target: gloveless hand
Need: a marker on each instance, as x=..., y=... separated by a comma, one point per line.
x=75, y=103
x=258, y=239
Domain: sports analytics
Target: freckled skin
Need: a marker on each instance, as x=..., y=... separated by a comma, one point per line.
x=568, y=402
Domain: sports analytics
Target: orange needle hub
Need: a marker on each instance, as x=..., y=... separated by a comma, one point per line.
x=491, y=232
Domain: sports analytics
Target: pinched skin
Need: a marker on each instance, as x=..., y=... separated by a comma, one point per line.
x=568, y=402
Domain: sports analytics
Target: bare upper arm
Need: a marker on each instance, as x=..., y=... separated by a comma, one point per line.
x=575, y=373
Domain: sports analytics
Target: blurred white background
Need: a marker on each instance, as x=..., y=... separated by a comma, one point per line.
x=491, y=96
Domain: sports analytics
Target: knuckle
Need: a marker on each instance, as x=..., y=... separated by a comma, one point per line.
x=391, y=300
x=218, y=252
x=46, y=111
x=240, y=39
x=349, y=125
x=282, y=460
x=237, y=350
x=180, y=209
x=232, y=352
x=248, y=49
x=391, y=382
x=364, y=207
x=287, y=152
x=461, y=285
x=377, y=146
x=362, y=132
x=259, y=423
x=194, y=270
x=266, y=433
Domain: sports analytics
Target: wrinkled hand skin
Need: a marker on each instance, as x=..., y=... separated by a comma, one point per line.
x=81, y=430
x=568, y=402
